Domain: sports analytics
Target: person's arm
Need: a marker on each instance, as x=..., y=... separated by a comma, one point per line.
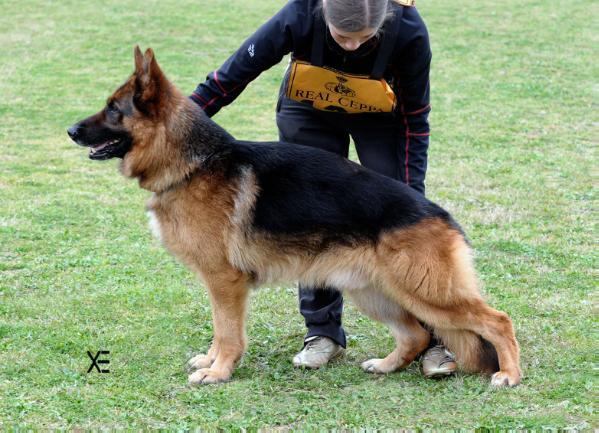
x=265, y=48
x=413, y=87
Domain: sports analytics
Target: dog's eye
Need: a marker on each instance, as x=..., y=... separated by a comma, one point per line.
x=112, y=111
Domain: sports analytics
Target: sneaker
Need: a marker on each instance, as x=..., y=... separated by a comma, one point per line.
x=317, y=352
x=438, y=362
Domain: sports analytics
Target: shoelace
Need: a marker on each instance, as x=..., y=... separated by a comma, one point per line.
x=311, y=345
x=447, y=358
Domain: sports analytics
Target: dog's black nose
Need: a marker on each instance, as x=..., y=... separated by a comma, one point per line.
x=72, y=131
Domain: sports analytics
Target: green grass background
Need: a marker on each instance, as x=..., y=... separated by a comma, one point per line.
x=513, y=155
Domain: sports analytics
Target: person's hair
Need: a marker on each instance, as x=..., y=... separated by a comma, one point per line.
x=355, y=15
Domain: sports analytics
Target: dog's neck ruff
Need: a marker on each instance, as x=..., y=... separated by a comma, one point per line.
x=202, y=147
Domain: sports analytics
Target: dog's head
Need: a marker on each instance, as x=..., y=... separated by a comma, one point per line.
x=116, y=129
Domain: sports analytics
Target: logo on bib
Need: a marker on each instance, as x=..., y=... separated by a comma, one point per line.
x=340, y=87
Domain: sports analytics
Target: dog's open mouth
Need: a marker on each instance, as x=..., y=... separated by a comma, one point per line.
x=117, y=147
x=99, y=147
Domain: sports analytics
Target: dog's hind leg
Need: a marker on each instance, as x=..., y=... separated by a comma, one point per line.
x=455, y=325
x=228, y=291
x=410, y=337
x=430, y=272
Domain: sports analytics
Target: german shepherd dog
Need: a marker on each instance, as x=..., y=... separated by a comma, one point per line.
x=240, y=214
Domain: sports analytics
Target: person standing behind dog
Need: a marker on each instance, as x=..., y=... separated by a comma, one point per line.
x=359, y=69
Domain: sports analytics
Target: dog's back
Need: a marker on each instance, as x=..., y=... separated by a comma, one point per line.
x=307, y=190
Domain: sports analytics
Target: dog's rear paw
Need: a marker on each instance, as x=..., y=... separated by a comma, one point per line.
x=199, y=361
x=504, y=378
x=208, y=375
x=377, y=366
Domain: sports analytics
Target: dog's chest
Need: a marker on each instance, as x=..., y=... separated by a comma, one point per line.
x=154, y=223
x=186, y=227
x=173, y=233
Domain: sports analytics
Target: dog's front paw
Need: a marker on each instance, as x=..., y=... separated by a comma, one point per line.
x=208, y=375
x=505, y=378
x=199, y=361
x=377, y=366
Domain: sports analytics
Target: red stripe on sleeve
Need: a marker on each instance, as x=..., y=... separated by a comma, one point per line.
x=198, y=96
x=418, y=111
x=407, y=150
x=209, y=103
x=218, y=83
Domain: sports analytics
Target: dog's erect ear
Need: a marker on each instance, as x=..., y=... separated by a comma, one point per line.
x=139, y=61
x=145, y=64
x=149, y=79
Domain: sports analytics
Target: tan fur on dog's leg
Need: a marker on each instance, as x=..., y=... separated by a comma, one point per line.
x=497, y=328
x=411, y=338
x=494, y=326
x=228, y=295
x=430, y=272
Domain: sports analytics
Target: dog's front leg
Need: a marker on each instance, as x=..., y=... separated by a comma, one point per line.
x=228, y=292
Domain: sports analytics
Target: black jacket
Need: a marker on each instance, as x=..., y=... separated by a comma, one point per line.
x=291, y=31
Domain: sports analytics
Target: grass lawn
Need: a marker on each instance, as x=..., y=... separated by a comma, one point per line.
x=513, y=153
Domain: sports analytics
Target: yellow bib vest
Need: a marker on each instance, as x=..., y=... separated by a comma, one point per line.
x=331, y=90
x=328, y=89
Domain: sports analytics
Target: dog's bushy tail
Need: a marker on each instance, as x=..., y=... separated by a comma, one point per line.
x=473, y=353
